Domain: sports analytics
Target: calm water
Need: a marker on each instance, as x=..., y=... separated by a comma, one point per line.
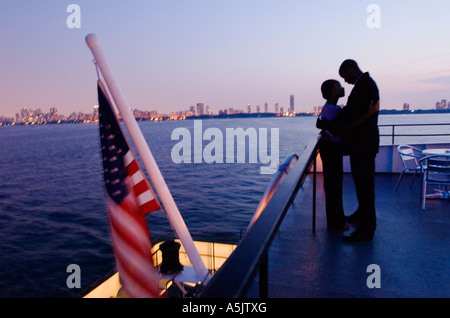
x=52, y=207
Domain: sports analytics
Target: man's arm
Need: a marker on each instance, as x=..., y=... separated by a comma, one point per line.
x=358, y=105
x=373, y=109
x=337, y=124
x=321, y=124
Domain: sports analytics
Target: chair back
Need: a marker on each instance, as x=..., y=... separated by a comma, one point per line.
x=410, y=156
x=438, y=169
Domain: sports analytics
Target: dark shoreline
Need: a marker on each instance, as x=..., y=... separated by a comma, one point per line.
x=251, y=115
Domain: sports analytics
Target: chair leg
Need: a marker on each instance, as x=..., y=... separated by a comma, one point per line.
x=412, y=180
x=400, y=178
x=424, y=194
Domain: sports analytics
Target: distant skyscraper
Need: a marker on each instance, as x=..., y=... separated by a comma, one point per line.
x=291, y=104
x=266, y=108
x=405, y=106
x=53, y=114
x=258, y=108
x=319, y=109
x=95, y=113
x=276, y=108
x=249, y=108
x=444, y=104
x=208, y=110
x=200, y=110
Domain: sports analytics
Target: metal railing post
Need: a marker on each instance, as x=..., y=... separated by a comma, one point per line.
x=314, y=193
x=264, y=276
x=393, y=134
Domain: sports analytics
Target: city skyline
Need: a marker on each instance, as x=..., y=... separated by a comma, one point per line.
x=36, y=115
x=166, y=55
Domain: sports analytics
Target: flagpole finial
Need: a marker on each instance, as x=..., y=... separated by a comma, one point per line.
x=91, y=40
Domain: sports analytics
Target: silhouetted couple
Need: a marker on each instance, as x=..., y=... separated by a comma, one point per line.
x=353, y=131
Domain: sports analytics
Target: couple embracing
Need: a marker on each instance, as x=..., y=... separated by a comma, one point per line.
x=353, y=131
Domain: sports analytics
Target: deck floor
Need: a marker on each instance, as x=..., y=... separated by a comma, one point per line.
x=411, y=247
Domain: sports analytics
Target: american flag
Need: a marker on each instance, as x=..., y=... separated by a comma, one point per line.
x=129, y=199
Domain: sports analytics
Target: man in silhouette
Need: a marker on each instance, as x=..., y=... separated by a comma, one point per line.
x=361, y=143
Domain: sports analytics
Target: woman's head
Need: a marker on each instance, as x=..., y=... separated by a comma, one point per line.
x=332, y=89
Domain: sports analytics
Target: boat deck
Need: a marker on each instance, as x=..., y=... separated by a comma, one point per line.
x=411, y=247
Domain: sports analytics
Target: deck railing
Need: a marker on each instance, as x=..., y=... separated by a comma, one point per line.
x=394, y=134
x=251, y=256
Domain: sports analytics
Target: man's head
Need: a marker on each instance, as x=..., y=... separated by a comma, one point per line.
x=349, y=71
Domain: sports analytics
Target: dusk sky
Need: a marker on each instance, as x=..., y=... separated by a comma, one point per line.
x=169, y=54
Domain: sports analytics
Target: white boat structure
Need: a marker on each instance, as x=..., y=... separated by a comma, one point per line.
x=183, y=282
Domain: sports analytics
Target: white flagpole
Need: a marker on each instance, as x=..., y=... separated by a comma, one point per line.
x=157, y=179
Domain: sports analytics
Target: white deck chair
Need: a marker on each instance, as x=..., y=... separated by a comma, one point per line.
x=438, y=174
x=410, y=159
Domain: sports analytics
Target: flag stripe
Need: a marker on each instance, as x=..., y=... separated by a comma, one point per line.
x=121, y=223
x=140, y=185
x=149, y=206
x=135, y=256
x=137, y=262
x=134, y=286
x=133, y=274
x=142, y=188
x=128, y=158
x=132, y=168
x=144, y=197
x=136, y=178
x=128, y=216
